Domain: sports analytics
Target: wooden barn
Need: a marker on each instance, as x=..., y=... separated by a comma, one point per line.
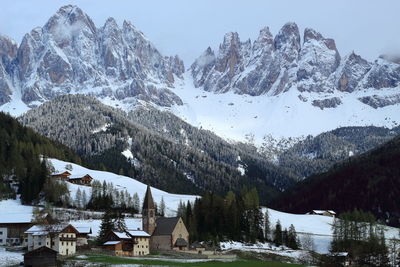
x=41, y=257
x=120, y=243
x=81, y=180
x=62, y=175
x=329, y=213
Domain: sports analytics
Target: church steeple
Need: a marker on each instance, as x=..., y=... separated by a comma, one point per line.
x=148, y=213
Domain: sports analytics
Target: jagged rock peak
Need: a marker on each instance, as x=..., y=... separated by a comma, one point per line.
x=67, y=16
x=8, y=47
x=288, y=34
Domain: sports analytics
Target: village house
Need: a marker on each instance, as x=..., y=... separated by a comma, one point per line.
x=329, y=213
x=83, y=235
x=81, y=180
x=166, y=233
x=61, y=238
x=61, y=175
x=128, y=244
x=41, y=257
x=141, y=242
x=12, y=228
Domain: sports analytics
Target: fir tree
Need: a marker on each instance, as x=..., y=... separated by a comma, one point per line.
x=278, y=234
x=106, y=226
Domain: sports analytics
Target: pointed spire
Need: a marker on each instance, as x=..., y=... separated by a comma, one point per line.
x=148, y=202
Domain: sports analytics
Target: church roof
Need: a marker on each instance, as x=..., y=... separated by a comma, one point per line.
x=148, y=202
x=165, y=226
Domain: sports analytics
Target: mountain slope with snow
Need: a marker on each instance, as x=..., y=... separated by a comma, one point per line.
x=121, y=183
x=285, y=85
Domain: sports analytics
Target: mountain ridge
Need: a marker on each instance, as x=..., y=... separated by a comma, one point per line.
x=286, y=75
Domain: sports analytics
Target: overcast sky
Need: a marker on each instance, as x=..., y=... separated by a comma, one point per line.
x=188, y=27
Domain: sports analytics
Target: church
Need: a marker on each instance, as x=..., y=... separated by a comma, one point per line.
x=166, y=233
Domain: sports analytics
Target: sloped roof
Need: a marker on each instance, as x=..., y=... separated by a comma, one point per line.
x=180, y=242
x=322, y=211
x=45, y=229
x=165, y=226
x=148, y=202
x=122, y=235
x=108, y=243
x=41, y=249
x=84, y=230
x=139, y=233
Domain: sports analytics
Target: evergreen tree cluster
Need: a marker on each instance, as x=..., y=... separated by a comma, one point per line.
x=286, y=237
x=21, y=154
x=105, y=196
x=215, y=218
x=358, y=233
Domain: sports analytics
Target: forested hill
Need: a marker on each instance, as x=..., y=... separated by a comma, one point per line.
x=370, y=182
x=155, y=147
x=20, y=150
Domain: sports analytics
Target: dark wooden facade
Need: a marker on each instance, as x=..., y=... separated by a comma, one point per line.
x=85, y=180
x=62, y=176
x=41, y=257
x=16, y=230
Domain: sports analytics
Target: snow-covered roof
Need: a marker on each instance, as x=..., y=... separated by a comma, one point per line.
x=13, y=212
x=44, y=229
x=122, y=235
x=322, y=211
x=83, y=230
x=111, y=243
x=139, y=233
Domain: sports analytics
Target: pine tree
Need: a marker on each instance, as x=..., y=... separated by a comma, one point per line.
x=136, y=203
x=119, y=222
x=278, y=234
x=267, y=226
x=84, y=199
x=292, y=238
x=78, y=198
x=162, y=207
x=106, y=226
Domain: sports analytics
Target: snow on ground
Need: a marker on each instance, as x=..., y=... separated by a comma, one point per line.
x=8, y=258
x=262, y=248
x=318, y=227
x=284, y=115
x=11, y=211
x=121, y=183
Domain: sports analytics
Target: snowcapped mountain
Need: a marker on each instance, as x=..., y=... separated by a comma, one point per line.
x=69, y=54
x=285, y=85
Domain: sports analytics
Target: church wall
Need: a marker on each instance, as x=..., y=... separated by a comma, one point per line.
x=180, y=231
x=160, y=242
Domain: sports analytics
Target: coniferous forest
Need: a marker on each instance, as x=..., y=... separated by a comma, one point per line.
x=20, y=152
x=369, y=182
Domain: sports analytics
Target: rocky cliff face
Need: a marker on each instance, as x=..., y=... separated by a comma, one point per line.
x=273, y=65
x=8, y=50
x=70, y=54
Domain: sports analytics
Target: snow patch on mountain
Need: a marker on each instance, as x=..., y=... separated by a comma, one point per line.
x=234, y=116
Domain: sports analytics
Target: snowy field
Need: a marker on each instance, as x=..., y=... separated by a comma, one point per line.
x=318, y=227
x=121, y=183
x=8, y=258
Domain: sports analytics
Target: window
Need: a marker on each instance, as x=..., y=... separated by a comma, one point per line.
x=39, y=243
x=1, y=240
x=62, y=243
x=1, y=232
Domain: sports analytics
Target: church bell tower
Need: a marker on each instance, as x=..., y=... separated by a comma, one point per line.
x=148, y=213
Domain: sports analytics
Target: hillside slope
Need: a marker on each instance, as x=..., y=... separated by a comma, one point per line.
x=155, y=147
x=370, y=182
